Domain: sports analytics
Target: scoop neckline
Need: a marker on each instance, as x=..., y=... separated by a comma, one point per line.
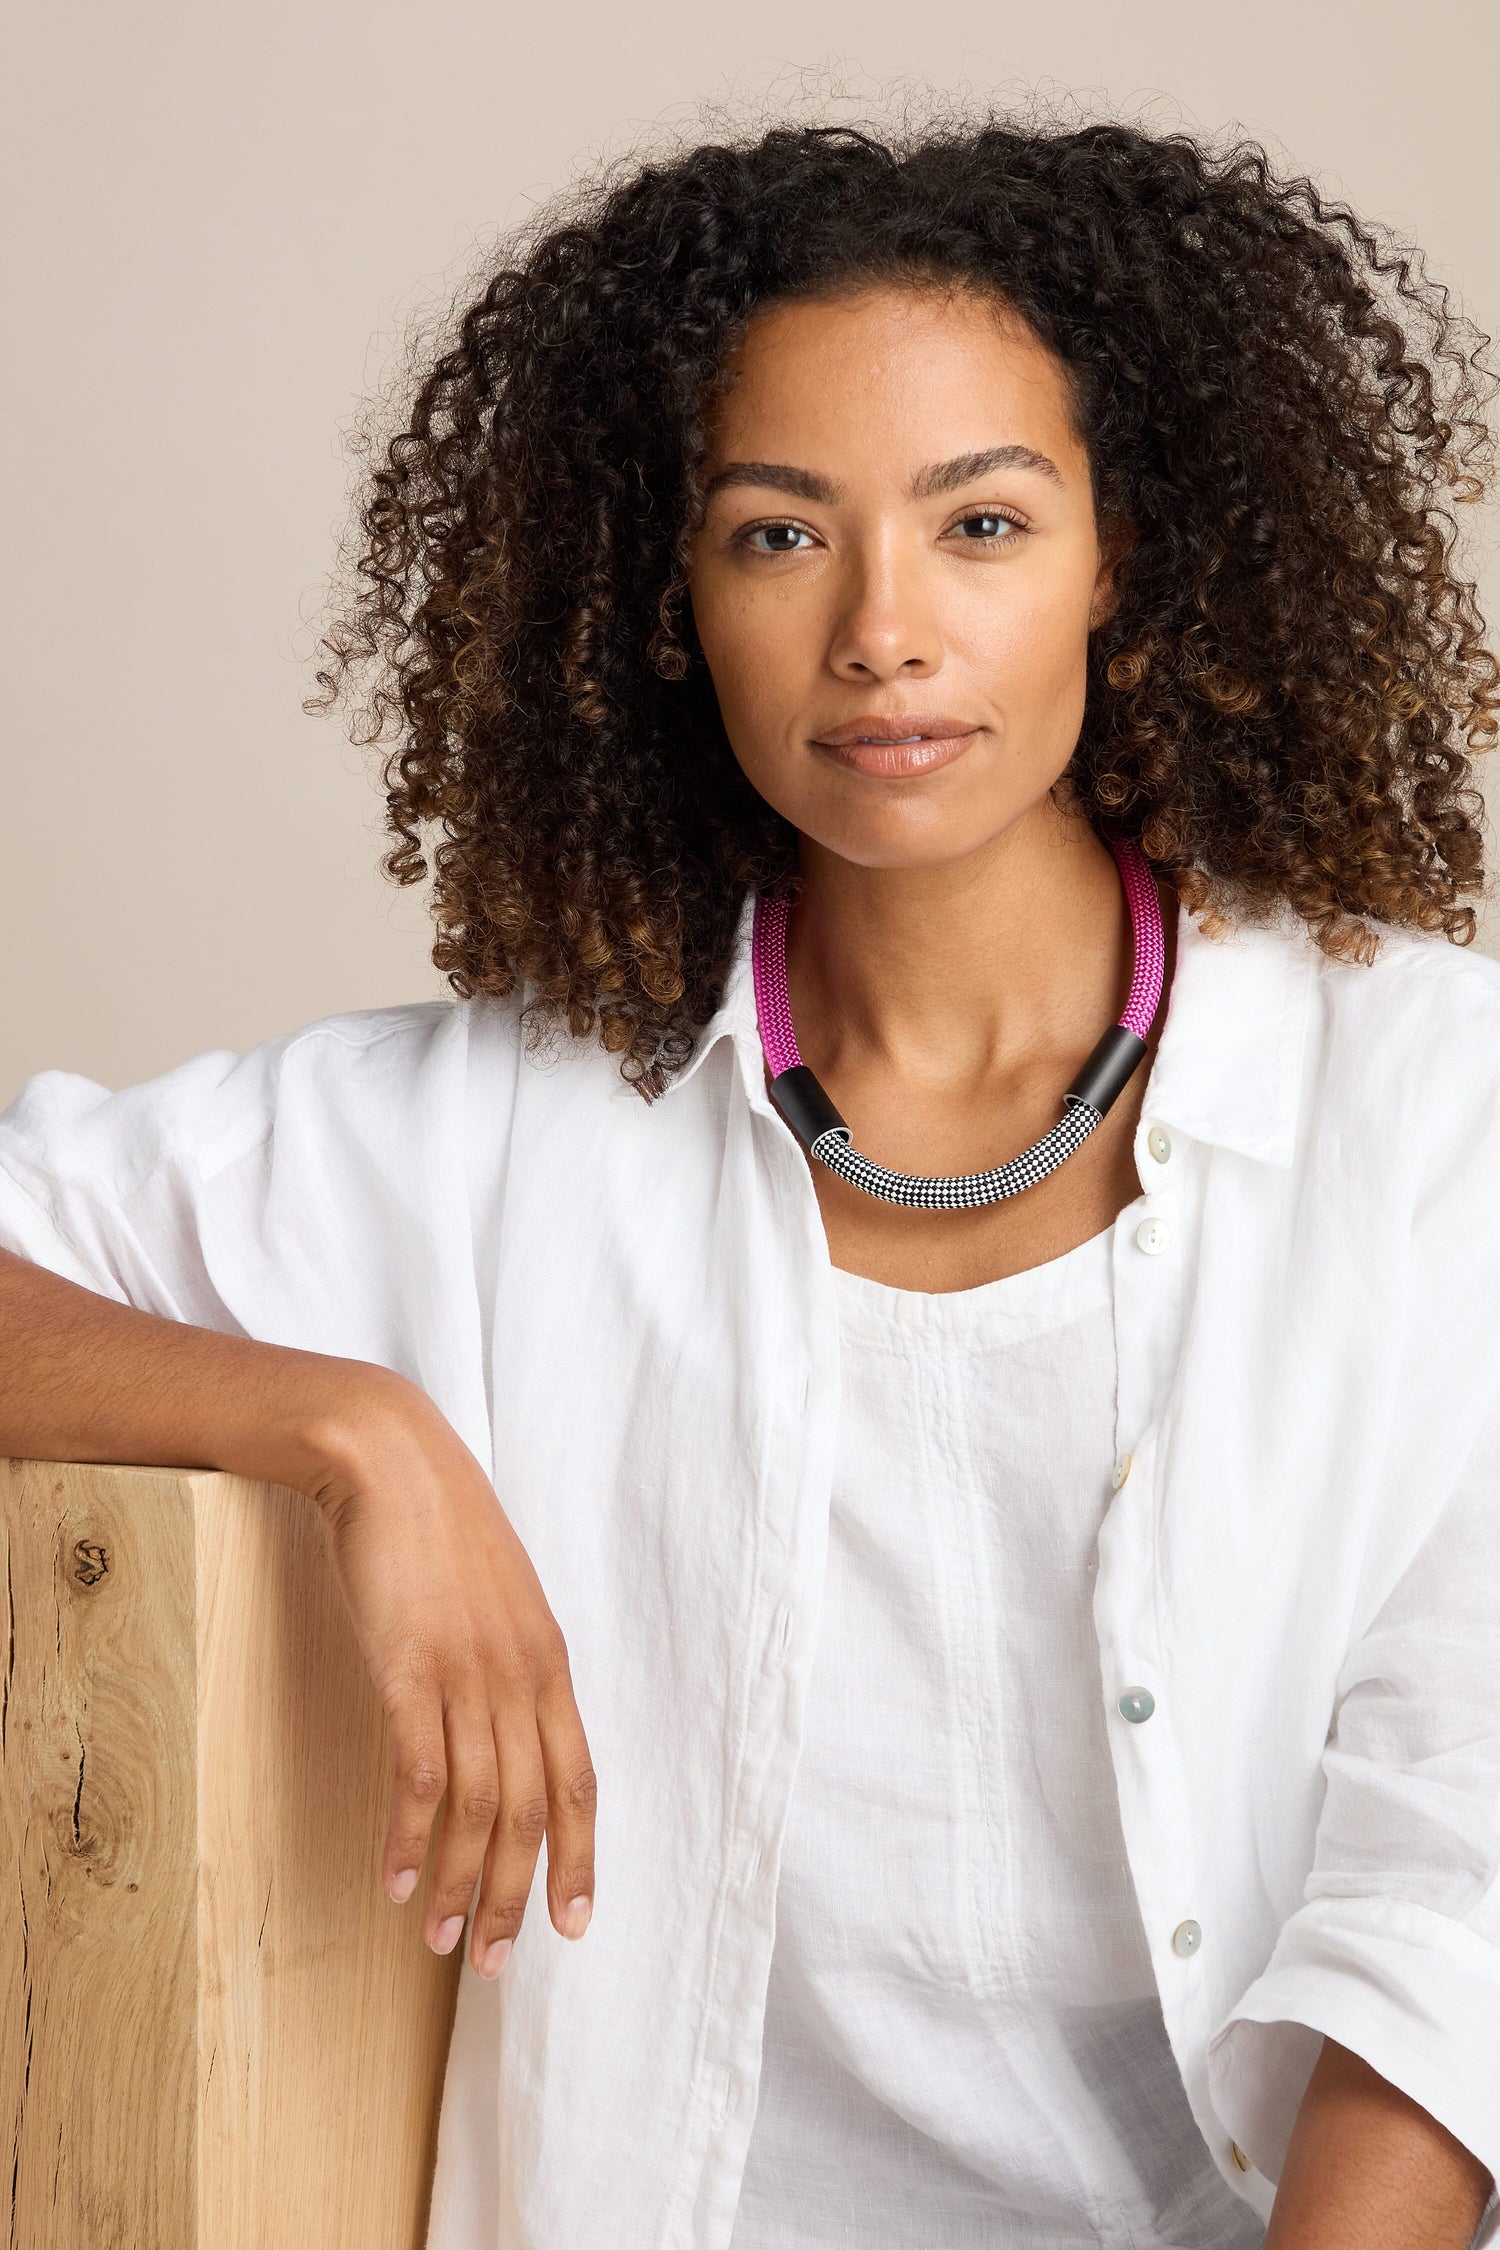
x=1059, y=1289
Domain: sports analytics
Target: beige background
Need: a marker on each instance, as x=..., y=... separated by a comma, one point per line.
x=223, y=218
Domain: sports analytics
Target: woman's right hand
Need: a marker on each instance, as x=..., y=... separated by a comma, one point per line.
x=469, y=1663
x=465, y=1653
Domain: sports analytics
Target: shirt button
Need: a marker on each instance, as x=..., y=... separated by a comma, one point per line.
x=1238, y=2158
x=1136, y=1705
x=1120, y=1471
x=1153, y=1235
x=1186, y=1938
x=1159, y=1141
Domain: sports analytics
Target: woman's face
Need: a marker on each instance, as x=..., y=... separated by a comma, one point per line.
x=899, y=543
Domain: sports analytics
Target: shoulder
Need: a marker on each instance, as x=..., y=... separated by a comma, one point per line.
x=1402, y=1102
x=1417, y=970
x=363, y=1071
x=1420, y=1025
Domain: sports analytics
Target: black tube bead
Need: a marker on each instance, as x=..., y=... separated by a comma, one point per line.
x=1108, y=1070
x=803, y=1103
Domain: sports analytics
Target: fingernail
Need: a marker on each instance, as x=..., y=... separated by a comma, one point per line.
x=494, y=1958
x=576, y=1917
x=403, y=1885
x=447, y=1934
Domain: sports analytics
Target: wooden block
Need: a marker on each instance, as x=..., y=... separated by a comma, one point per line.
x=215, y=2028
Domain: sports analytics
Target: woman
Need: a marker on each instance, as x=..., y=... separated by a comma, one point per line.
x=961, y=637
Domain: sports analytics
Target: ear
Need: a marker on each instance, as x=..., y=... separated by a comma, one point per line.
x=1116, y=538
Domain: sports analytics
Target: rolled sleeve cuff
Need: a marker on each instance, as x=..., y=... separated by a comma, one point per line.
x=1414, y=1993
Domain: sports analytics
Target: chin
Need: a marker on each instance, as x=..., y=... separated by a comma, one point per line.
x=935, y=822
x=934, y=845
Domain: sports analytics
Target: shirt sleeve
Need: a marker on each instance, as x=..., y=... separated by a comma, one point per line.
x=109, y=1189
x=312, y=1192
x=1395, y=1950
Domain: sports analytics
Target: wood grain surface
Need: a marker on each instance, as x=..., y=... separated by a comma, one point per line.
x=215, y=2028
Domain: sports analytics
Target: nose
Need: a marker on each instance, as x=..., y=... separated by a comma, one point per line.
x=886, y=626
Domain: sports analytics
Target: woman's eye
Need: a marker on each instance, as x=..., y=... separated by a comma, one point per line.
x=778, y=537
x=985, y=525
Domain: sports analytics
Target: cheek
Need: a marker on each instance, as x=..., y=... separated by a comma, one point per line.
x=760, y=689
x=1027, y=637
x=759, y=655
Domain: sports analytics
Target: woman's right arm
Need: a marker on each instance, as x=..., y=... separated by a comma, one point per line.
x=466, y=1656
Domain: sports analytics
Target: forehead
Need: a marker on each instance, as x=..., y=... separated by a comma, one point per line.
x=929, y=370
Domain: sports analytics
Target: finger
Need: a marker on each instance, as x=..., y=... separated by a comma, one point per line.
x=510, y=1861
x=572, y=1795
x=472, y=1802
x=419, y=1775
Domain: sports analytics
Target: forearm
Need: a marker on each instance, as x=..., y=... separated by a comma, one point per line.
x=1367, y=2169
x=85, y=1379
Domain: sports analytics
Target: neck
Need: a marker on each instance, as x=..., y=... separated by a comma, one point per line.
x=951, y=974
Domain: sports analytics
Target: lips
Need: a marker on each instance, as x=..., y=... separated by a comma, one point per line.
x=914, y=743
x=926, y=726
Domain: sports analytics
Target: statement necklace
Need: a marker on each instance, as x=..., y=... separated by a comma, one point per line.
x=818, y=1126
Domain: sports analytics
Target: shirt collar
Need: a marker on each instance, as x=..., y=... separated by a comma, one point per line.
x=734, y=1018
x=1228, y=1066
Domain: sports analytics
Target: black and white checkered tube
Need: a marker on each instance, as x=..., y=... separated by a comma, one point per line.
x=963, y=1191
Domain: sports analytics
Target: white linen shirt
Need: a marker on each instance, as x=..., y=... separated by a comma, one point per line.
x=628, y=1310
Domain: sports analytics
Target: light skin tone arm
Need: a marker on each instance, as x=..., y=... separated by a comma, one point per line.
x=899, y=531
x=466, y=1656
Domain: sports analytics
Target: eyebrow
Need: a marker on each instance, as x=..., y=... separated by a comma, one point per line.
x=938, y=477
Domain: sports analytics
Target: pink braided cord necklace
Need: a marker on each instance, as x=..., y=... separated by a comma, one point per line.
x=800, y=1098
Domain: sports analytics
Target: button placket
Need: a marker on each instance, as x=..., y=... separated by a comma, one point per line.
x=1134, y=1623
x=1154, y=1151
x=1149, y=1305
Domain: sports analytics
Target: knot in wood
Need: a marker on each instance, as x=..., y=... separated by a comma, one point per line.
x=90, y=1562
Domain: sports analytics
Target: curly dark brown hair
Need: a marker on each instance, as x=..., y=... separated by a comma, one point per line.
x=1270, y=389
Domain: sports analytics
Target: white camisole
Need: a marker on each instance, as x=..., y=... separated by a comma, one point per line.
x=963, y=2042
